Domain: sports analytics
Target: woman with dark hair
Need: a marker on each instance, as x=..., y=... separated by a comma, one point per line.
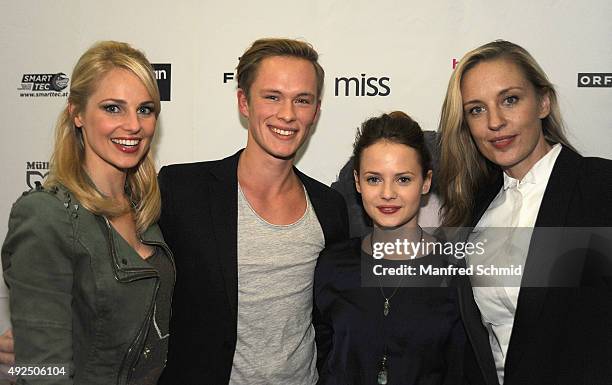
x=89, y=273
x=371, y=328
x=506, y=163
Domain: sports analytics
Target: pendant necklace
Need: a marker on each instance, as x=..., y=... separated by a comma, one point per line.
x=383, y=370
x=387, y=303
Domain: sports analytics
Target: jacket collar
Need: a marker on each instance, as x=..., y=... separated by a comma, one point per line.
x=224, y=215
x=556, y=199
x=552, y=213
x=558, y=193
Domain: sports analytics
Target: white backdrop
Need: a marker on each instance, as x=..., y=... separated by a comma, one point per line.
x=413, y=43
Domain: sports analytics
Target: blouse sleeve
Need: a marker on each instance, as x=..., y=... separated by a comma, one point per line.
x=37, y=262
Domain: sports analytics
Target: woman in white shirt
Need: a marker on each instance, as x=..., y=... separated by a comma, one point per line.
x=506, y=163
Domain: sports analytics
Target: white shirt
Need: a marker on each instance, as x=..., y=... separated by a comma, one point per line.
x=516, y=206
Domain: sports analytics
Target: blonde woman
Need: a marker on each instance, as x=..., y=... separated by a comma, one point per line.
x=89, y=273
x=506, y=163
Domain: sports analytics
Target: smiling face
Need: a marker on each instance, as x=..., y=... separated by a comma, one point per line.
x=118, y=123
x=391, y=183
x=503, y=112
x=281, y=107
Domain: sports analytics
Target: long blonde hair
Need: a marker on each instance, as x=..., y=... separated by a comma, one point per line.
x=463, y=170
x=68, y=151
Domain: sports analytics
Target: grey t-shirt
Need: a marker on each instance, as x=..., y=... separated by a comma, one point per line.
x=275, y=338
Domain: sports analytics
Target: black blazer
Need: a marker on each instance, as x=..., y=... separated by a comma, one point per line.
x=561, y=335
x=199, y=223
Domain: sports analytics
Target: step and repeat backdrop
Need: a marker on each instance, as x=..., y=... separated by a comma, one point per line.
x=378, y=56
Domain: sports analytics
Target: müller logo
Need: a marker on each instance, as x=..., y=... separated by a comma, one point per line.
x=36, y=171
x=594, y=79
x=37, y=85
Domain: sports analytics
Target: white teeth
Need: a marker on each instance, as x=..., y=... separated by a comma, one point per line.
x=126, y=142
x=282, y=132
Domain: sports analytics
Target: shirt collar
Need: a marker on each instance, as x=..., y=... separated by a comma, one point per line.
x=539, y=173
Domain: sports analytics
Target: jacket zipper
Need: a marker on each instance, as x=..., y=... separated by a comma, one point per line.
x=171, y=256
x=168, y=253
x=137, y=273
x=137, y=343
x=145, y=273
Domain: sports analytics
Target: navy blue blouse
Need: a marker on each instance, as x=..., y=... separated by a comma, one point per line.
x=422, y=333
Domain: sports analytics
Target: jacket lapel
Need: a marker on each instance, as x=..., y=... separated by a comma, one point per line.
x=552, y=213
x=320, y=205
x=224, y=217
x=476, y=333
x=486, y=196
x=558, y=194
x=224, y=212
x=470, y=313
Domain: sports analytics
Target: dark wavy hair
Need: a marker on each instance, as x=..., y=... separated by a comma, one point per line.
x=395, y=127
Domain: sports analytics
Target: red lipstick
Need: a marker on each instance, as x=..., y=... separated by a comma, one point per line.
x=388, y=209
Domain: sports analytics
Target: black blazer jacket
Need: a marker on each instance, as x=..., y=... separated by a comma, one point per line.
x=199, y=222
x=561, y=335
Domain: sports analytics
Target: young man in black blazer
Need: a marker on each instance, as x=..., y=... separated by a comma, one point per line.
x=246, y=231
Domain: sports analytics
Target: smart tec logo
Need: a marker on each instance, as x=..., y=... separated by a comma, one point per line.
x=43, y=85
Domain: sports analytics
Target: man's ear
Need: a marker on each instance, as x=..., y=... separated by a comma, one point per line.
x=357, y=186
x=243, y=103
x=318, y=111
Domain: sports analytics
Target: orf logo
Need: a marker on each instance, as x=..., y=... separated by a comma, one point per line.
x=599, y=79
